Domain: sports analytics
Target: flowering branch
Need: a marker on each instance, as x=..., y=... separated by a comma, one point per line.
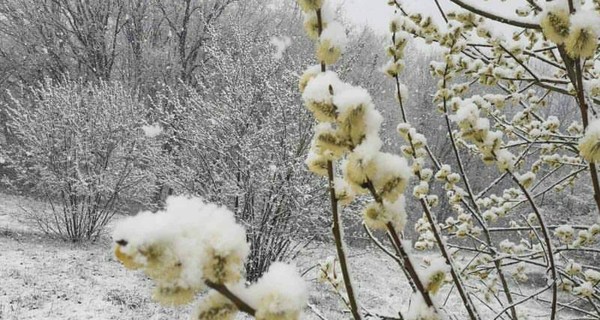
x=548, y=242
x=239, y=303
x=337, y=228
x=512, y=22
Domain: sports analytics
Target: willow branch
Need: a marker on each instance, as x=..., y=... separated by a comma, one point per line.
x=574, y=72
x=509, y=21
x=548, y=243
x=402, y=252
x=239, y=303
x=409, y=266
x=481, y=222
x=336, y=227
x=522, y=301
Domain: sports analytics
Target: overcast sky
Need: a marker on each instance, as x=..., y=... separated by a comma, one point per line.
x=377, y=14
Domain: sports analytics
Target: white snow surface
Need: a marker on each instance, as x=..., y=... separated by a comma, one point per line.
x=336, y=34
x=152, y=131
x=280, y=44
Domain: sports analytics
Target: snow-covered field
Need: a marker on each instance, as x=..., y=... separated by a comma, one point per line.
x=42, y=278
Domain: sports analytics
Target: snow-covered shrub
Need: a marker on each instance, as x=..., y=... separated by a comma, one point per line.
x=192, y=246
x=238, y=141
x=81, y=148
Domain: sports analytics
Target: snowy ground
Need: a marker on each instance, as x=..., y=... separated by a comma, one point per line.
x=43, y=278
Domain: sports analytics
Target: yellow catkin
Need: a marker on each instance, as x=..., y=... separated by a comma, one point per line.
x=392, y=188
x=354, y=174
x=265, y=310
x=317, y=164
x=389, y=186
x=589, y=145
x=373, y=216
x=581, y=43
x=330, y=143
x=126, y=260
x=310, y=5
x=215, y=307
x=311, y=26
x=173, y=296
x=327, y=52
x=352, y=125
x=306, y=77
x=222, y=269
x=161, y=264
x=322, y=111
x=555, y=25
x=435, y=282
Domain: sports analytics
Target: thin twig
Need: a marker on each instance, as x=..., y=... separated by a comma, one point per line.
x=239, y=303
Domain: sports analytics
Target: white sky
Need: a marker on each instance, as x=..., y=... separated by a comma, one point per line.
x=377, y=14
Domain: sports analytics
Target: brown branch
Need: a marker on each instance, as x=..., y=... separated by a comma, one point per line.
x=512, y=22
x=548, y=242
x=574, y=72
x=239, y=303
x=402, y=253
x=336, y=227
x=464, y=295
x=410, y=268
x=512, y=305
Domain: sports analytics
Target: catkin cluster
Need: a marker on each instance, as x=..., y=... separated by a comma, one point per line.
x=192, y=245
x=347, y=131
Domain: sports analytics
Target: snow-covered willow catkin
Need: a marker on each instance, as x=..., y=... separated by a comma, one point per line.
x=328, y=271
x=222, y=267
x=526, y=179
x=435, y=275
x=393, y=68
x=214, y=306
x=181, y=247
x=586, y=290
x=378, y=215
x=555, y=21
x=279, y=295
x=316, y=163
x=328, y=142
x=353, y=170
x=354, y=167
x=318, y=95
x=583, y=36
x=343, y=191
x=477, y=129
x=311, y=21
x=192, y=243
x=308, y=75
x=126, y=260
x=356, y=115
x=311, y=25
x=332, y=42
x=390, y=175
x=173, y=295
x=589, y=145
x=310, y=5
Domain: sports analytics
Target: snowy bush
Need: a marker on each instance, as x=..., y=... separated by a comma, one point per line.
x=236, y=141
x=81, y=148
